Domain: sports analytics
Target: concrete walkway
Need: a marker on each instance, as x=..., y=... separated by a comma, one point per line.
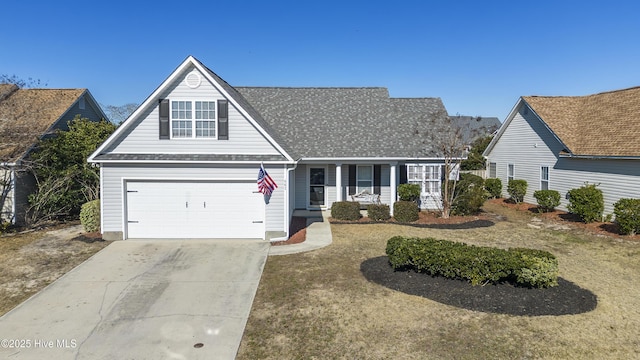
x=155, y=299
x=318, y=234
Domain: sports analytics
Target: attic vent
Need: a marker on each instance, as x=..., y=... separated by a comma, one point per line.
x=193, y=80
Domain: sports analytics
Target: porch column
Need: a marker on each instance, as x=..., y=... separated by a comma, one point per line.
x=338, y=182
x=392, y=185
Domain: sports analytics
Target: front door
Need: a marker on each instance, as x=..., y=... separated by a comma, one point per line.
x=317, y=177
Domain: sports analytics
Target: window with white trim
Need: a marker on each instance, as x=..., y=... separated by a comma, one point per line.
x=189, y=115
x=364, y=178
x=426, y=175
x=544, y=178
x=492, y=170
x=511, y=172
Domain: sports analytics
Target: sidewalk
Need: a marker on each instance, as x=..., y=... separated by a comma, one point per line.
x=318, y=234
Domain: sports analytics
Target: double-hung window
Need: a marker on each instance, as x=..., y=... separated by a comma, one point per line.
x=511, y=173
x=492, y=170
x=427, y=176
x=364, y=178
x=544, y=178
x=187, y=116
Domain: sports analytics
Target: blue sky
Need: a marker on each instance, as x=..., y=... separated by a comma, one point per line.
x=478, y=56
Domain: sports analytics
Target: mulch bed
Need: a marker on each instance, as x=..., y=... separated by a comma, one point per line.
x=564, y=299
x=297, y=232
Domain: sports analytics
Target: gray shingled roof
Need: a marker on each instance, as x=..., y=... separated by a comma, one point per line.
x=345, y=122
x=475, y=126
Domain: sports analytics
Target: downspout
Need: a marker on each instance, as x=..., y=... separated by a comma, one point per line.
x=287, y=217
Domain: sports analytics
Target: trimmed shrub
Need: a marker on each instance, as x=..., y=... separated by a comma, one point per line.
x=378, y=212
x=627, y=213
x=494, y=187
x=517, y=189
x=346, y=210
x=547, y=199
x=469, y=195
x=90, y=216
x=409, y=192
x=477, y=264
x=405, y=211
x=587, y=202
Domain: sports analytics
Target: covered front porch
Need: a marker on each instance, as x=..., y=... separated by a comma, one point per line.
x=317, y=185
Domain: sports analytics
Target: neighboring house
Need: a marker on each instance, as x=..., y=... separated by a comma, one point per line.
x=562, y=142
x=27, y=115
x=185, y=163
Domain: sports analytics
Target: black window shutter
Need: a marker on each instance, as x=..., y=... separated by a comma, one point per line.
x=223, y=120
x=376, y=179
x=403, y=174
x=352, y=179
x=164, y=119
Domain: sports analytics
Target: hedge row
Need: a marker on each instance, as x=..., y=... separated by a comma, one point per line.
x=479, y=265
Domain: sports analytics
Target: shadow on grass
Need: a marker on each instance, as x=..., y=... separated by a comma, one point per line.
x=564, y=299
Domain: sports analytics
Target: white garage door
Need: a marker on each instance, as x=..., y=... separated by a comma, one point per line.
x=169, y=210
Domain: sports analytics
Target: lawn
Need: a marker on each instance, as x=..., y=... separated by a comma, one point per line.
x=319, y=305
x=31, y=260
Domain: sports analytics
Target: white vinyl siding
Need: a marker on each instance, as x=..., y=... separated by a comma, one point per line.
x=115, y=175
x=142, y=137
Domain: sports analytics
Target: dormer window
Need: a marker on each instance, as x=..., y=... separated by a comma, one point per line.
x=189, y=115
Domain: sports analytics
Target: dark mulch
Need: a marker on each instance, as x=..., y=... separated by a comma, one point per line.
x=564, y=299
x=480, y=223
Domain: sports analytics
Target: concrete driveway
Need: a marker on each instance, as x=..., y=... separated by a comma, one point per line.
x=162, y=299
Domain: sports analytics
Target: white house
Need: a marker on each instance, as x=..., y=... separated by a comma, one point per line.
x=185, y=163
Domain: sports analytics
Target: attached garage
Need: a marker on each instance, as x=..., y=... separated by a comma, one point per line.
x=194, y=210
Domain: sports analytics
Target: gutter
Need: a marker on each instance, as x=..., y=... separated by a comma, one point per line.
x=598, y=157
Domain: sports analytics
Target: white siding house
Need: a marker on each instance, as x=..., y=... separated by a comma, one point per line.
x=561, y=143
x=185, y=163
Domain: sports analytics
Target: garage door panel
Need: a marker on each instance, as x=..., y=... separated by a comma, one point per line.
x=194, y=210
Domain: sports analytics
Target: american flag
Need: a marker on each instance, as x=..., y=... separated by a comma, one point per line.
x=266, y=185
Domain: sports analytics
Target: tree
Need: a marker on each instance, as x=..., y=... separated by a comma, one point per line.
x=475, y=160
x=21, y=83
x=449, y=139
x=118, y=114
x=64, y=178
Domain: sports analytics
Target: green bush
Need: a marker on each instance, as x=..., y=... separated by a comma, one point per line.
x=494, y=187
x=547, y=199
x=469, y=195
x=627, y=213
x=90, y=216
x=517, y=189
x=587, y=202
x=409, y=192
x=346, y=210
x=405, y=211
x=378, y=212
x=477, y=264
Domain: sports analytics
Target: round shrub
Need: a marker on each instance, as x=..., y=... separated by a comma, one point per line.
x=378, y=212
x=587, y=202
x=409, y=192
x=469, y=195
x=627, y=213
x=346, y=210
x=494, y=187
x=517, y=189
x=547, y=199
x=405, y=211
x=90, y=216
